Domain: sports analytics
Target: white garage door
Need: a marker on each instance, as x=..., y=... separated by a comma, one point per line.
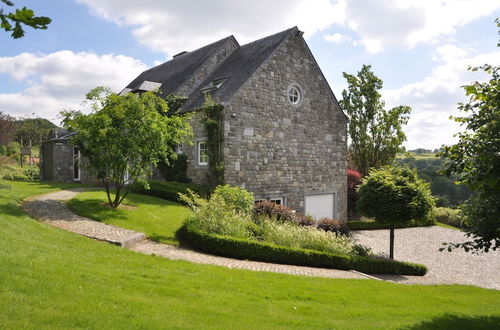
x=320, y=206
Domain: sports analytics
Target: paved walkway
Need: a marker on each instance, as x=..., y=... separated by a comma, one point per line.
x=48, y=208
x=421, y=245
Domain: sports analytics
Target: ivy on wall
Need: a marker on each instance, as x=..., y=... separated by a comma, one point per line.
x=212, y=119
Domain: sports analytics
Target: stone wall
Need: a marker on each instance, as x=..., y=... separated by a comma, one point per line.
x=208, y=67
x=197, y=173
x=274, y=148
x=63, y=162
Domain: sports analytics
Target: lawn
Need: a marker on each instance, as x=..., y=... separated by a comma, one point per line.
x=159, y=219
x=50, y=278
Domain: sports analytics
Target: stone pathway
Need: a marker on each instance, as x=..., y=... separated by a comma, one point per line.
x=421, y=245
x=49, y=209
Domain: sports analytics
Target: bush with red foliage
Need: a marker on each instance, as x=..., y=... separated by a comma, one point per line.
x=333, y=225
x=353, y=181
x=280, y=212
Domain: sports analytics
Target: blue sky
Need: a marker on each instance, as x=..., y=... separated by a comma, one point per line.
x=420, y=49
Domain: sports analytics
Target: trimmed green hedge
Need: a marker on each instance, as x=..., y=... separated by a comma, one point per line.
x=372, y=225
x=253, y=250
x=170, y=189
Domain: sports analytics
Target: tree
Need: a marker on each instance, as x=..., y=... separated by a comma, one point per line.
x=376, y=134
x=14, y=21
x=395, y=195
x=34, y=129
x=7, y=128
x=476, y=159
x=124, y=137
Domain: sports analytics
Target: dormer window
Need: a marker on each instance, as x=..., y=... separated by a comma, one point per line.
x=214, y=85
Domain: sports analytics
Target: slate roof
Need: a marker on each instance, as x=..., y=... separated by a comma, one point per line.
x=174, y=73
x=237, y=69
x=59, y=134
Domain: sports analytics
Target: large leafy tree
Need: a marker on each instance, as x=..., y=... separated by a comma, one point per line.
x=13, y=21
x=124, y=137
x=376, y=134
x=476, y=159
x=395, y=195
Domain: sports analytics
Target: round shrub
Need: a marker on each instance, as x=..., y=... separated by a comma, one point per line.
x=333, y=225
x=305, y=220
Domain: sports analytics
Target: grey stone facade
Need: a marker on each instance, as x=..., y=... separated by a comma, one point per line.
x=273, y=146
x=276, y=149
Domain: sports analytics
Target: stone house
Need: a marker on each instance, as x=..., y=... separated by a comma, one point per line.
x=285, y=135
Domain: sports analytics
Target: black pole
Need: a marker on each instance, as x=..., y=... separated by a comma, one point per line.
x=391, y=244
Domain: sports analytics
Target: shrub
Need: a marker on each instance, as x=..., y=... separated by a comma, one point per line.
x=279, y=212
x=170, y=190
x=333, y=225
x=448, y=216
x=241, y=248
x=306, y=220
x=218, y=215
x=176, y=170
x=240, y=199
x=295, y=236
x=28, y=173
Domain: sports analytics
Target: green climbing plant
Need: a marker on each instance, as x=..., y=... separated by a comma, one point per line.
x=212, y=119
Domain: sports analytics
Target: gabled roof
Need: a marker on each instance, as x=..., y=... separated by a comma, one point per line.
x=237, y=69
x=174, y=73
x=59, y=134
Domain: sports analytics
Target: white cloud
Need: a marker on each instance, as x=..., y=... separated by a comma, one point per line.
x=175, y=26
x=61, y=79
x=435, y=98
x=406, y=23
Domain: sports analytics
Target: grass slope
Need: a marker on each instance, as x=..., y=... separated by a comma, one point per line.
x=50, y=278
x=159, y=219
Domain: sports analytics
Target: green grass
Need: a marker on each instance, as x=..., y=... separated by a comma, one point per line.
x=444, y=225
x=159, y=219
x=50, y=278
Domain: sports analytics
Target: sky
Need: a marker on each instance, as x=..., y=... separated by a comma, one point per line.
x=421, y=49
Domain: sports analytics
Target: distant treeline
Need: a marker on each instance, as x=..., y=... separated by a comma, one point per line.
x=444, y=188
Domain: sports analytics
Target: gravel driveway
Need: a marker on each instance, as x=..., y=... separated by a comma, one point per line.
x=421, y=245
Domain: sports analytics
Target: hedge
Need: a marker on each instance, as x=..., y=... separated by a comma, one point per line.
x=372, y=225
x=259, y=251
x=170, y=189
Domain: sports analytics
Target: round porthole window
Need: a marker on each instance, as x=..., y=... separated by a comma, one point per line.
x=294, y=95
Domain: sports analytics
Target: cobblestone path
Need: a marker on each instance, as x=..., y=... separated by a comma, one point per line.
x=49, y=209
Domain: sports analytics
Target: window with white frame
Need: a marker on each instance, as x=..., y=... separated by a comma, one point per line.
x=294, y=95
x=202, y=148
x=179, y=149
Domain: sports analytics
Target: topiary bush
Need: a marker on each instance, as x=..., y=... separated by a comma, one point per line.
x=448, y=216
x=395, y=195
x=333, y=225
